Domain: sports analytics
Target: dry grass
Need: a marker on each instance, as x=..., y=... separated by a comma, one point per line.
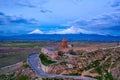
x=15, y=51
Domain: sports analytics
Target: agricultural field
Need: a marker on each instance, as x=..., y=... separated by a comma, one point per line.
x=12, y=52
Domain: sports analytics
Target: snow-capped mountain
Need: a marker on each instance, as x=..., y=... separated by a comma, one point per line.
x=36, y=31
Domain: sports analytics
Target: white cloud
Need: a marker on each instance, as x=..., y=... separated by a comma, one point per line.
x=36, y=31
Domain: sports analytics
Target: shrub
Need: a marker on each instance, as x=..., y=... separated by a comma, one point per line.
x=45, y=60
x=25, y=65
x=22, y=77
x=3, y=77
x=60, y=53
x=71, y=52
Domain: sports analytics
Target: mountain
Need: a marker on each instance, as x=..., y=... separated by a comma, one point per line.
x=59, y=37
x=36, y=31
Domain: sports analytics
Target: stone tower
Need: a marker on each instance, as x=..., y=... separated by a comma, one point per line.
x=64, y=43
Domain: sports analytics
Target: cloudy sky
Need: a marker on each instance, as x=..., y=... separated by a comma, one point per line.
x=60, y=17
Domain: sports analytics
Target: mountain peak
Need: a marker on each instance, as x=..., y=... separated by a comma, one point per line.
x=36, y=31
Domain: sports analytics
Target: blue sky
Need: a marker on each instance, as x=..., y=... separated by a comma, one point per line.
x=60, y=17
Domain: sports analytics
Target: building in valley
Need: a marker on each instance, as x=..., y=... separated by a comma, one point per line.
x=64, y=43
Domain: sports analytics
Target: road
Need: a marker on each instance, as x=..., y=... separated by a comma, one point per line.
x=34, y=63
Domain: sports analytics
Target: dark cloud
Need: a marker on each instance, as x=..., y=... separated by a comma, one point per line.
x=26, y=5
x=5, y=19
x=105, y=24
x=1, y=13
x=45, y=11
x=116, y=3
x=31, y=3
x=34, y=6
x=104, y=20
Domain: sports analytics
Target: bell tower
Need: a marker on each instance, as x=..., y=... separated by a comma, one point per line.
x=64, y=43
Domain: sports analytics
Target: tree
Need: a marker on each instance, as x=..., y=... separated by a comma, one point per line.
x=60, y=53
